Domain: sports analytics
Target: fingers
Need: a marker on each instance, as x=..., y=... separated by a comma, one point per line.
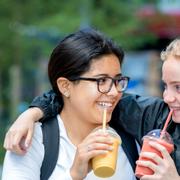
x=97, y=149
x=19, y=136
x=157, y=158
x=99, y=140
x=151, y=156
x=99, y=146
x=165, y=154
x=95, y=144
x=12, y=143
x=147, y=163
x=163, y=166
x=147, y=177
x=29, y=137
x=99, y=137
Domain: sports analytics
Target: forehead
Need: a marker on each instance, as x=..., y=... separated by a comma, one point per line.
x=171, y=69
x=106, y=63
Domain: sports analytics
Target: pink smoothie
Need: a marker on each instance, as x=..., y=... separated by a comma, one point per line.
x=140, y=170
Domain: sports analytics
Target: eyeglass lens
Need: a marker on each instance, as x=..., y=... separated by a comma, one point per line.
x=105, y=84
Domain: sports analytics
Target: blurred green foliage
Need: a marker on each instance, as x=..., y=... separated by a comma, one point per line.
x=30, y=29
x=2, y=152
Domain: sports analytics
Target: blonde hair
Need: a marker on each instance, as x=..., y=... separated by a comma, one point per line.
x=173, y=49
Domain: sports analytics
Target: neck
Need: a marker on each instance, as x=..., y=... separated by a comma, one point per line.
x=76, y=127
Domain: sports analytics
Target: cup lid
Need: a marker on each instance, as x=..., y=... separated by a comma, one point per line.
x=110, y=130
x=158, y=133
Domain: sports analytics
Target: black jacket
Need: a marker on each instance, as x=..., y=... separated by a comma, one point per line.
x=135, y=114
x=138, y=115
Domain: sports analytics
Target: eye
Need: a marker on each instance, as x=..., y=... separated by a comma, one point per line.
x=119, y=81
x=164, y=85
x=103, y=80
x=177, y=88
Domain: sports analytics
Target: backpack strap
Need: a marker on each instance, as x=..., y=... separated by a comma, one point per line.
x=50, y=130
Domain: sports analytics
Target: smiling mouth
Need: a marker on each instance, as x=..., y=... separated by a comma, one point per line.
x=106, y=104
x=175, y=108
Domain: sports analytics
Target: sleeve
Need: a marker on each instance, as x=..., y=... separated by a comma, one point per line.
x=26, y=167
x=64, y=175
x=67, y=176
x=138, y=115
x=48, y=103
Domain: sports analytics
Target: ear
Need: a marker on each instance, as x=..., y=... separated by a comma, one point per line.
x=63, y=86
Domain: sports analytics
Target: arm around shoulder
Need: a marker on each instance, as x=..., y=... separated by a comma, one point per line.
x=48, y=103
x=18, y=137
x=19, y=167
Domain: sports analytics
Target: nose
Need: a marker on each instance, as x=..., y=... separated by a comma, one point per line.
x=168, y=96
x=113, y=91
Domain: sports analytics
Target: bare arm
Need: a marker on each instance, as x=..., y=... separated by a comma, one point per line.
x=18, y=137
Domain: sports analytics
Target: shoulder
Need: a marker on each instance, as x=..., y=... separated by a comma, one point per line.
x=144, y=100
x=18, y=166
x=38, y=130
x=141, y=104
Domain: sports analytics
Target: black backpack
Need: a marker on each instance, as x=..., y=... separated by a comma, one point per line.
x=50, y=130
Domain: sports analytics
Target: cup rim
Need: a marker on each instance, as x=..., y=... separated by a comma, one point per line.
x=111, y=131
x=155, y=134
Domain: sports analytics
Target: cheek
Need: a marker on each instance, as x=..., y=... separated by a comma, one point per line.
x=90, y=94
x=86, y=97
x=164, y=94
x=81, y=105
x=178, y=98
x=120, y=96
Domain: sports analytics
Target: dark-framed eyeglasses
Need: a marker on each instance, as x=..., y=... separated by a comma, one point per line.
x=104, y=84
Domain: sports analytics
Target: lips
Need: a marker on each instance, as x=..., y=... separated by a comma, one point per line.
x=175, y=111
x=175, y=108
x=106, y=104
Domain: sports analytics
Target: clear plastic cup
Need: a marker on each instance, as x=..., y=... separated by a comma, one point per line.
x=162, y=138
x=105, y=165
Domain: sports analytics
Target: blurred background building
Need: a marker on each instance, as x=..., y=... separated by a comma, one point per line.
x=30, y=30
x=162, y=19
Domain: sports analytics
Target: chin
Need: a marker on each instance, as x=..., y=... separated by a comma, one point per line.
x=176, y=119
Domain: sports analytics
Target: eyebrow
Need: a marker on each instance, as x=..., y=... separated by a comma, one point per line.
x=175, y=82
x=172, y=82
x=106, y=75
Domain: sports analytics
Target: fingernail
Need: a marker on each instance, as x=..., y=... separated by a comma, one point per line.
x=26, y=145
x=104, y=152
x=110, y=148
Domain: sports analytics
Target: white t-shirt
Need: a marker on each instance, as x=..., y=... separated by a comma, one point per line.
x=27, y=167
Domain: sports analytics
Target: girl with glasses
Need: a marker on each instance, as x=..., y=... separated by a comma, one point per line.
x=85, y=72
x=138, y=115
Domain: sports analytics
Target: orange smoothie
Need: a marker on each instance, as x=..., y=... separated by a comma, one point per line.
x=141, y=170
x=105, y=165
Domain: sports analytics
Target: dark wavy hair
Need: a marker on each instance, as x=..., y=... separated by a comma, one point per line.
x=74, y=54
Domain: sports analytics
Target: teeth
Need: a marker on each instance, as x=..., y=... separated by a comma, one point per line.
x=105, y=104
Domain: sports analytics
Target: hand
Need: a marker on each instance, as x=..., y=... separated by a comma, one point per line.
x=94, y=144
x=19, y=136
x=164, y=169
